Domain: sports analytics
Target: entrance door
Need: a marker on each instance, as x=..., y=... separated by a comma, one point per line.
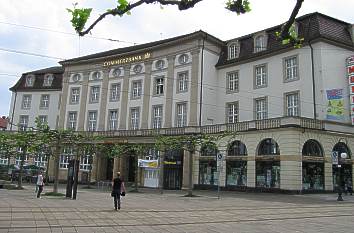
x=109, y=169
x=172, y=177
x=131, y=168
x=151, y=178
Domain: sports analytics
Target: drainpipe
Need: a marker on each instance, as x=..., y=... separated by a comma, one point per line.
x=313, y=82
x=201, y=84
x=13, y=111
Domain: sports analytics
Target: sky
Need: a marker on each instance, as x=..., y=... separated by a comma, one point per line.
x=43, y=28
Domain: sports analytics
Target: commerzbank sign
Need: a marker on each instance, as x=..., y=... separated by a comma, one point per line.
x=125, y=60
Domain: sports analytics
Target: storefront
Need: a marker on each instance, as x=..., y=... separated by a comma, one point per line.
x=208, y=171
x=173, y=170
x=236, y=173
x=344, y=167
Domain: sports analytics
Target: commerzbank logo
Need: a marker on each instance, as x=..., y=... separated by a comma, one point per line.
x=125, y=60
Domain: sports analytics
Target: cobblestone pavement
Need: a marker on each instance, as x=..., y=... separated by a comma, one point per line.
x=149, y=211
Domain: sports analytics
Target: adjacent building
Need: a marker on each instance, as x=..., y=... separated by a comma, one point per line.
x=291, y=109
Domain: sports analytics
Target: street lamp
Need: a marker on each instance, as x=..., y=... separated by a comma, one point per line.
x=340, y=188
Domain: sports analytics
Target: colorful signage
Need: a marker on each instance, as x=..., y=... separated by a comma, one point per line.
x=350, y=71
x=148, y=163
x=125, y=60
x=335, y=105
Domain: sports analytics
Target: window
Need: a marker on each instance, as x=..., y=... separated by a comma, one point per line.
x=157, y=117
x=233, y=51
x=40, y=160
x=134, y=118
x=44, y=101
x=261, y=109
x=3, y=159
x=113, y=120
x=75, y=95
x=96, y=75
x=29, y=81
x=182, y=79
x=208, y=174
x=232, y=82
x=85, y=162
x=92, y=120
x=18, y=158
x=181, y=115
x=292, y=104
x=209, y=150
x=94, y=94
x=26, y=101
x=72, y=120
x=291, y=69
x=183, y=59
x=23, y=123
x=160, y=64
x=159, y=82
x=268, y=147
x=116, y=72
x=236, y=173
x=65, y=157
x=76, y=77
x=260, y=43
x=260, y=75
x=232, y=113
x=236, y=148
x=138, y=68
x=43, y=119
x=48, y=79
x=312, y=148
x=115, y=92
x=136, y=89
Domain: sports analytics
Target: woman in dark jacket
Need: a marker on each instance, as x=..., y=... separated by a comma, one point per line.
x=117, y=189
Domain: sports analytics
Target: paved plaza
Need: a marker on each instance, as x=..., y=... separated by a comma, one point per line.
x=149, y=211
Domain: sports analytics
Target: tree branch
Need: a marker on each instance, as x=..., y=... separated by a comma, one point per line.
x=285, y=29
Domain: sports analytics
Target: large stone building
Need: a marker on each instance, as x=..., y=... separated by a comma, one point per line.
x=292, y=110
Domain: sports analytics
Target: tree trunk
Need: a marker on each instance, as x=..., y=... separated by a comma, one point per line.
x=56, y=167
x=190, y=188
x=20, y=175
x=161, y=176
x=47, y=170
x=136, y=173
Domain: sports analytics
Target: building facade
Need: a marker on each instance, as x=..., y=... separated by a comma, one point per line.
x=291, y=110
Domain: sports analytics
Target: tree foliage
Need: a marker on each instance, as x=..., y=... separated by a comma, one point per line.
x=80, y=16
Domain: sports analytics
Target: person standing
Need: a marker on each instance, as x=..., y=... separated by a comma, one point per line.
x=40, y=184
x=117, y=188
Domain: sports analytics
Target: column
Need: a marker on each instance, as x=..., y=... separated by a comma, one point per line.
x=83, y=100
x=146, y=95
x=290, y=174
x=64, y=100
x=193, y=99
x=124, y=101
x=328, y=175
x=103, y=100
x=251, y=172
x=169, y=91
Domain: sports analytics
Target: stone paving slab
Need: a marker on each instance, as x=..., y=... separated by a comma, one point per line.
x=149, y=211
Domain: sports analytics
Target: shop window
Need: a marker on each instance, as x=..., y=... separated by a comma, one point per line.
x=268, y=174
x=237, y=148
x=208, y=174
x=236, y=173
x=209, y=150
x=268, y=147
x=312, y=148
x=312, y=176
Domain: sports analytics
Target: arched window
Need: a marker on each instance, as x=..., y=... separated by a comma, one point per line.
x=312, y=148
x=341, y=147
x=268, y=147
x=233, y=51
x=209, y=150
x=237, y=148
x=260, y=43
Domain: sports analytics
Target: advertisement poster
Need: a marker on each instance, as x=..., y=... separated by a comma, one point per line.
x=350, y=67
x=147, y=163
x=335, y=104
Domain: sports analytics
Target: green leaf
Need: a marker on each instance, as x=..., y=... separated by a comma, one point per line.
x=79, y=17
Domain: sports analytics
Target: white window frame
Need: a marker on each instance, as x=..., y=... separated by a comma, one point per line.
x=75, y=95
x=232, y=112
x=157, y=114
x=68, y=153
x=94, y=94
x=92, y=121
x=3, y=159
x=40, y=160
x=183, y=58
x=18, y=159
x=181, y=114
x=159, y=85
x=114, y=92
x=233, y=51
x=136, y=89
x=261, y=108
x=85, y=164
x=292, y=104
x=29, y=81
x=260, y=76
x=23, y=122
x=43, y=119
x=48, y=80
x=260, y=43
x=44, y=101
x=26, y=101
x=72, y=120
x=113, y=119
x=182, y=81
x=134, y=118
x=232, y=82
x=291, y=69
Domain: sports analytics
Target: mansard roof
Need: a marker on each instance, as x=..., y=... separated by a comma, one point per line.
x=147, y=47
x=56, y=71
x=312, y=27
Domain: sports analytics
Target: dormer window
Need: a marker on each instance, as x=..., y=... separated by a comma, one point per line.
x=29, y=81
x=48, y=80
x=260, y=43
x=233, y=51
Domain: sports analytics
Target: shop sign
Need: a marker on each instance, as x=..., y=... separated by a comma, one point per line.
x=147, y=163
x=125, y=60
x=350, y=71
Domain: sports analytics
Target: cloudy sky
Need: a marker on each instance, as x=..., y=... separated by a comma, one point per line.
x=43, y=27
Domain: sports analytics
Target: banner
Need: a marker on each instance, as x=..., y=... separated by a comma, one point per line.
x=335, y=105
x=148, y=163
x=350, y=68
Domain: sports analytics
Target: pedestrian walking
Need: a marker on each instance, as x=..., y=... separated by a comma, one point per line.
x=40, y=184
x=118, y=190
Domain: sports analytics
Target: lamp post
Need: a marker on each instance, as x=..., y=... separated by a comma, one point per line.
x=340, y=185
